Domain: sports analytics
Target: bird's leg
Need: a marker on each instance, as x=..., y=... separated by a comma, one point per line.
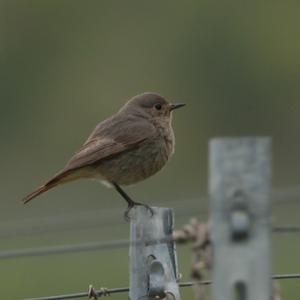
x=130, y=202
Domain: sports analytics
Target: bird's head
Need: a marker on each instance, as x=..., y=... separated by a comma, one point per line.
x=151, y=105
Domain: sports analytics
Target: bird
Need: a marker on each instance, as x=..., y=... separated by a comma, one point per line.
x=126, y=148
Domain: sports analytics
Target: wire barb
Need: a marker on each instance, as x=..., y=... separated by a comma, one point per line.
x=93, y=294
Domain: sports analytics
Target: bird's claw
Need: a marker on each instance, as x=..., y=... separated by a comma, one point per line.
x=149, y=209
x=126, y=214
x=132, y=205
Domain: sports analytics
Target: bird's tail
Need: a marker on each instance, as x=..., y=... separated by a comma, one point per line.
x=56, y=180
x=35, y=193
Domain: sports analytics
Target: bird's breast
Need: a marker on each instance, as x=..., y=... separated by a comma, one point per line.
x=139, y=163
x=166, y=132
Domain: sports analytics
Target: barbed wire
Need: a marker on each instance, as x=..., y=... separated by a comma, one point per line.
x=107, y=245
x=122, y=290
x=90, y=219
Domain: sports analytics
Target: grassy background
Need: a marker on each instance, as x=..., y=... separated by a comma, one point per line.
x=66, y=65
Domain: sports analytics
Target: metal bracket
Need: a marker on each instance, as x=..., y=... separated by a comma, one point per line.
x=153, y=265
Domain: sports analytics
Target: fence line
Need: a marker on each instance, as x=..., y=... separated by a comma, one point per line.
x=95, y=246
x=122, y=290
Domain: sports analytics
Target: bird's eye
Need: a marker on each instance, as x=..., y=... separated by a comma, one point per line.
x=158, y=106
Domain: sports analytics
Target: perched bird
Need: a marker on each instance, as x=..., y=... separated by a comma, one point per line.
x=126, y=148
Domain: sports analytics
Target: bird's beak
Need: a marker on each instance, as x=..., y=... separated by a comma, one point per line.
x=176, y=105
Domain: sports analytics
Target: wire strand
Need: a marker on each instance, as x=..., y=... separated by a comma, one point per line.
x=95, y=246
x=286, y=229
x=122, y=290
x=89, y=219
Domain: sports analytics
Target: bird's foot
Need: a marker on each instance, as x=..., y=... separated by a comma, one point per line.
x=132, y=204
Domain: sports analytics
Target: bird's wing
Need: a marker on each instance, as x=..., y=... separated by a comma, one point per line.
x=109, y=138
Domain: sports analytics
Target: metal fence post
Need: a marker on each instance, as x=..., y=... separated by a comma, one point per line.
x=153, y=266
x=239, y=187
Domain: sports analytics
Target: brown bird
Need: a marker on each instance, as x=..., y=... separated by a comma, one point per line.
x=126, y=148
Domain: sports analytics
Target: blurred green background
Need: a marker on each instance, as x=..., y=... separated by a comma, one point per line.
x=66, y=65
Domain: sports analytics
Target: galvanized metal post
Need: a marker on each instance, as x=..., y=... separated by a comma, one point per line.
x=239, y=187
x=153, y=265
